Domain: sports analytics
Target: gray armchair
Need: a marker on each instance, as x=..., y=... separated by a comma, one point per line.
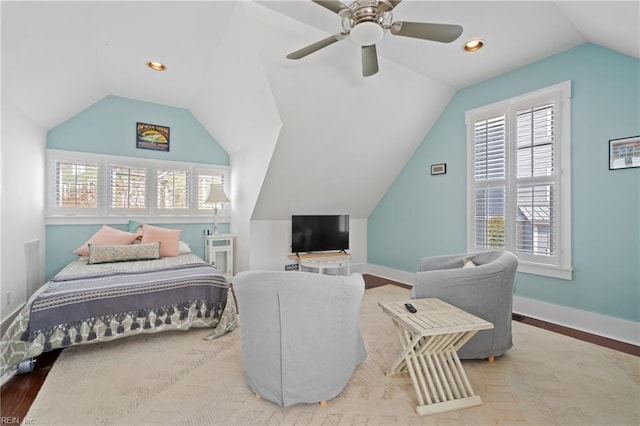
x=300, y=333
x=485, y=290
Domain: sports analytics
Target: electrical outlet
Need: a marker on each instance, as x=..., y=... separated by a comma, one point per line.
x=8, y=298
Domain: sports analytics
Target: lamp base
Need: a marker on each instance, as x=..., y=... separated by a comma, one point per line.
x=215, y=221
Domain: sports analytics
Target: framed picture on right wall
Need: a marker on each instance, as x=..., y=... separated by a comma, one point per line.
x=439, y=169
x=624, y=153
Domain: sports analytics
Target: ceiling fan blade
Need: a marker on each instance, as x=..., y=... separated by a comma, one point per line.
x=316, y=46
x=387, y=5
x=369, y=60
x=436, y=32
x=335, y=6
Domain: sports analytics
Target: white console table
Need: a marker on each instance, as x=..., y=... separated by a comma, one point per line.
x=218, y=251
x=323, y=261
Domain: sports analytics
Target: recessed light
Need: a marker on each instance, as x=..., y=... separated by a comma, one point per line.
x=473, y=45
x=156, y=66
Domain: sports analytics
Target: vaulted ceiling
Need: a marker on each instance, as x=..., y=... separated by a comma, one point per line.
x=336, y=140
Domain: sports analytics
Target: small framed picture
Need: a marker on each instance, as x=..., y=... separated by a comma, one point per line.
x=439, y=169
x=624, y=153
x=152, y=136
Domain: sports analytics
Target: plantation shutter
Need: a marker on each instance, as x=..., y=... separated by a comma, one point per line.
x=205, y=179
x=173, y=189
x=489, y=169
x=127, y=187
x=536, y=180
x=76, y=185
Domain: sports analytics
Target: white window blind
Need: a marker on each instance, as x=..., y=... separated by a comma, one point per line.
x=205, y=179
x=489, y=149
x=172, y=189
x=518, y=198
x=490, y=182
x=535, y=177
x=76, y=185
x=127, y=187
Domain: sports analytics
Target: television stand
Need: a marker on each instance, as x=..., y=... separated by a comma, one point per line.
x=319, y=262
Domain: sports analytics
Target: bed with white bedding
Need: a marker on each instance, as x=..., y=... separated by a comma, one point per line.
x=88, y=303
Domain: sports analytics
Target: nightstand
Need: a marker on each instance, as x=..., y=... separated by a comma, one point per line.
x=218, y=251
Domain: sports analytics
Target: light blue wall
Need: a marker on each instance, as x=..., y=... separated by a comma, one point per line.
x=108, y=127
x=424, y=215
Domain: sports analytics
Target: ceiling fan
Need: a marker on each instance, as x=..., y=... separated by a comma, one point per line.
x=366, y=21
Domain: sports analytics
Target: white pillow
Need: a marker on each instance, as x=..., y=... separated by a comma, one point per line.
x=468, y=264
x=183, y=247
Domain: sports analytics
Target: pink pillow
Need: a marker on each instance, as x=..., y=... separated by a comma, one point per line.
x=106, y=235
x=169, y=238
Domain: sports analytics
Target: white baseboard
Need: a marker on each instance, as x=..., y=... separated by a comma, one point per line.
x=359, y=268
x=589, y=322
x=403, y=277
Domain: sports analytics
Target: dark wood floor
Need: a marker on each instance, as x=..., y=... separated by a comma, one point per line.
x=18, y=394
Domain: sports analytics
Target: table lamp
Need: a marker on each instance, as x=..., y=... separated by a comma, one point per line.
x=217, y=197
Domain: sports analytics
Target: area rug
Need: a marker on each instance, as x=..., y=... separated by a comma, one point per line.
x=178, y=378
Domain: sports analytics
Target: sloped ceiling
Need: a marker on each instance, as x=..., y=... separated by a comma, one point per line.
x=343, y=138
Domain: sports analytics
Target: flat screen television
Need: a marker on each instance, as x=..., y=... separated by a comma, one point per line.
x=319, y=233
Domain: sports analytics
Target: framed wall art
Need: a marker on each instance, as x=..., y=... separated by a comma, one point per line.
x=439, y=169
x=624, y=153
x=152, y=136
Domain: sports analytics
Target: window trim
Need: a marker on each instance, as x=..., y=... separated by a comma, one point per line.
x=104, y=214
x=50, y=198
x=561, y=93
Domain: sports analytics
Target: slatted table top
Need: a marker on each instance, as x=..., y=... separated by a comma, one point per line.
x=434, y=317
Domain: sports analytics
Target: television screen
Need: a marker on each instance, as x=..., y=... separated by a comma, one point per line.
x=319, y=233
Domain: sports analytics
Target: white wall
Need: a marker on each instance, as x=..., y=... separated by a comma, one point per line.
x=248, y=168
x=22, y=218
x=271, y=243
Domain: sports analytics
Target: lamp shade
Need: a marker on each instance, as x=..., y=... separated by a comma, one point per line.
x=217, y=195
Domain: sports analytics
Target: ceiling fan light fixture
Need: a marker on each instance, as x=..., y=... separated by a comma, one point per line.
x=156, y=66
x=473, y=45
x=366, y=33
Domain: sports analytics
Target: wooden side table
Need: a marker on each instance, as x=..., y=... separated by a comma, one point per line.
x=430, y=339
x=218, y=251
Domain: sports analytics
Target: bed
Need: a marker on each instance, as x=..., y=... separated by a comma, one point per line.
x=88, y=303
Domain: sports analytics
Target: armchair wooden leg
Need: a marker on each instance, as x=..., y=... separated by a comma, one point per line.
x=323, y=403
x=491, y=359
x=258, y=396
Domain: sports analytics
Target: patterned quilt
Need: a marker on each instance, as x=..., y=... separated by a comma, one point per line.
x=102, y=302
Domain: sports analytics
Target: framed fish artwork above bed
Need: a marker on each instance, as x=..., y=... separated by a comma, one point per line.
x=152, y=136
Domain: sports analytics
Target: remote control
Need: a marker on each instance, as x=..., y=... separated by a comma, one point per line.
x=410, y=308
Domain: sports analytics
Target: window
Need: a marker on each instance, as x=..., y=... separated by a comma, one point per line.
x=76, y=185
x=173, y=189
x=519, y=188
x=127, y=187
x=94, y=185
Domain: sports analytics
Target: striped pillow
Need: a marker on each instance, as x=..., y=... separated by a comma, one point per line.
x=106, y=253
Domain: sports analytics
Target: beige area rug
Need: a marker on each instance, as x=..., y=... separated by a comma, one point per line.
x=177, y=378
